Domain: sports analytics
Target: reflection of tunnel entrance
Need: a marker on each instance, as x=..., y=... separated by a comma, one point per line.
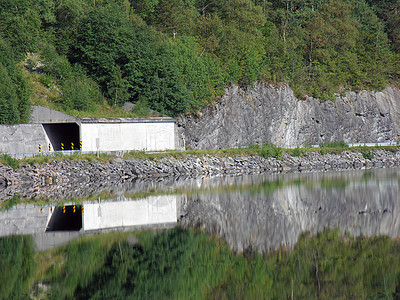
x=65, y=133
x=66, y=220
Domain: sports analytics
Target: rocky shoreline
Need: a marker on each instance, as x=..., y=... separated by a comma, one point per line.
x=66, y=179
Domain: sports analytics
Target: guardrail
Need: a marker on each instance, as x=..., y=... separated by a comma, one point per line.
x=120, y=153
x=350, y=145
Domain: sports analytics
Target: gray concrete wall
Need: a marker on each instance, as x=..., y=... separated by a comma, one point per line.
x=128, y=134
x=52, y=127
x=23, y=139
x=41, y=114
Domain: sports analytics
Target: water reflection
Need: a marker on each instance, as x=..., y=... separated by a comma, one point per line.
x=55, y=225
x=274, y=210
x=257, y=212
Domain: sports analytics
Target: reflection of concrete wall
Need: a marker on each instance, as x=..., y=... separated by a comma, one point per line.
x=131, y=135
x=152, y=210
x=23, y=220
x=22, y=138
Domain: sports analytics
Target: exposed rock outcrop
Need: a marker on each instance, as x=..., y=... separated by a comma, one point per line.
x=266, y=113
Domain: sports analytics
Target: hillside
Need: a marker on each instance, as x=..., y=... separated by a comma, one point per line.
x=177, y=56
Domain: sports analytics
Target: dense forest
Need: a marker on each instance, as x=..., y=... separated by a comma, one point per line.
x=187, y=264
x=176, y=56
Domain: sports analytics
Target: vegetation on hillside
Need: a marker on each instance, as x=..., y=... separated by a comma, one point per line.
x=175, y=56
x=184, y=264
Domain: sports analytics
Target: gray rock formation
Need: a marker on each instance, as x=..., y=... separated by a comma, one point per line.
x=266, y=113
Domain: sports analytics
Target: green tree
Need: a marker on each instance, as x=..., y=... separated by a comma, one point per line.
x=20, y=26
x=108, y=44
x=8, y=98
x=16, y=88
x=80, y=93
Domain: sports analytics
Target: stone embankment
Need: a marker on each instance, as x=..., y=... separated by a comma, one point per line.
x=65, y=179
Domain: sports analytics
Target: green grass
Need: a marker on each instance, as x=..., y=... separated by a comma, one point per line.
x=266, y=151
x=366, y=152
x=9, y=203
x=296, y=152
x=333, y=147
x=42, y=159
x=270, y=150
x=7, y=160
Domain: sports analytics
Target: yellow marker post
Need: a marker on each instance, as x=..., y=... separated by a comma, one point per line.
x=82, y=209
x=63, y=209
x=72, y=146
x=62, y=146
x=41, y=209
x=73, y=209
x=40, y=148
x=80, y=145
x=49, y=147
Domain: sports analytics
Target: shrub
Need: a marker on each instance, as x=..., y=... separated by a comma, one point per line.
x=333, y=147
x=366, y=152
x=270, y=150
x=297, y=152
x=80, y=93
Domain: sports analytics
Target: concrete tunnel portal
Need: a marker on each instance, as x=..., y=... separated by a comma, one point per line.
x=63, y=133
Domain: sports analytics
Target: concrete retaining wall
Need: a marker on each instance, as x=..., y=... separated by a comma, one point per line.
x=61, y=131
x=113, y=136
x=41, y=115
x=22, y=138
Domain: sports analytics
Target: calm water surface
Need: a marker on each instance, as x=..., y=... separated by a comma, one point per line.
x=253, y=212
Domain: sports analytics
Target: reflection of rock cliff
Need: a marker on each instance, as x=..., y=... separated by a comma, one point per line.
x=357, y=202
x=273, y=114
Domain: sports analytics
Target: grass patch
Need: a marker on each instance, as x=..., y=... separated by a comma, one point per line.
x=296, y=152
x=270, y=150
x=9, y=203
x=366, y=152
x=42, y=159
x=266, y=151
x=7, y=160
x=333, y=147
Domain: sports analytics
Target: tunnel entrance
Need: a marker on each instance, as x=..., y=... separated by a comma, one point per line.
x=65, y=133
x=66, y=218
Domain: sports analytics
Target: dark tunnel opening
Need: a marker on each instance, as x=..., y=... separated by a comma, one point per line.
x=63, y=133
x=66, y=218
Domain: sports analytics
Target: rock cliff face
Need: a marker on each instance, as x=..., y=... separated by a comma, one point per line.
x=266, y=113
